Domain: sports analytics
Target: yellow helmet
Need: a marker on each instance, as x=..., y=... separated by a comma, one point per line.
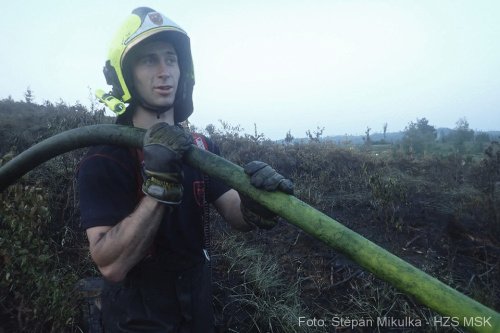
x=141, y=24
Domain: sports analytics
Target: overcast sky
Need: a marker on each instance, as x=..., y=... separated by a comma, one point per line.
x=285, y=65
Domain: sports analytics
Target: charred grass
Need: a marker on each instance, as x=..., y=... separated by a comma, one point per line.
x=439, y=212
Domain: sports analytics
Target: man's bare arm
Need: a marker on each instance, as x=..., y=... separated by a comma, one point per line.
x=117, y=249
x=228, y=205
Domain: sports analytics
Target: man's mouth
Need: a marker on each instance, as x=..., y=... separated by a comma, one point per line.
x=163, y=89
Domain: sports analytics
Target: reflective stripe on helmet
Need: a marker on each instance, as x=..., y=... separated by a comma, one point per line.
x=153, y=21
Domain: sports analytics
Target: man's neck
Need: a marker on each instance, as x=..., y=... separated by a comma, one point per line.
x=145, y=119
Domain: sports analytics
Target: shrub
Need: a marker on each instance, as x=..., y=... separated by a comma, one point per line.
x=42, y=252
x=36, y=283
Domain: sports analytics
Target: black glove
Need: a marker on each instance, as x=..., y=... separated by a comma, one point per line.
x=264, y=177
x=163, y=148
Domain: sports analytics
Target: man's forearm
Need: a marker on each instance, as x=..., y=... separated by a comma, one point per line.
x=120, y=248
x=228, y=205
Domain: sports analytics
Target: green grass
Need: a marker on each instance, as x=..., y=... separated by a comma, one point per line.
x=260, y=297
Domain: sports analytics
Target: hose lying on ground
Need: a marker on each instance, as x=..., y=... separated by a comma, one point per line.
x=405, y=277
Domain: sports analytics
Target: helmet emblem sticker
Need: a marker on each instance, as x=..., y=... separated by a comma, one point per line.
x=156, y=18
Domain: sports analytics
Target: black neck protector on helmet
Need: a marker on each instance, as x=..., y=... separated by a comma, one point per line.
x=127, y=118
x=155, y=109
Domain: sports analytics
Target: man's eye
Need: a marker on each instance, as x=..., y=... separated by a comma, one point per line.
x=148, y=60
x=171, y=60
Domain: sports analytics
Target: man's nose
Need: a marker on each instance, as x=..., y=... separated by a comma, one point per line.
x=164, y=70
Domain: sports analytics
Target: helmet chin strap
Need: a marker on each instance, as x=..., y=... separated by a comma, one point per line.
x=159, y=110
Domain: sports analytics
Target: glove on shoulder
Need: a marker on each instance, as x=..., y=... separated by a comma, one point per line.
x=163, y=148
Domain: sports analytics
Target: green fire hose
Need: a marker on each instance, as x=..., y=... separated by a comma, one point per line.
x=450, y=303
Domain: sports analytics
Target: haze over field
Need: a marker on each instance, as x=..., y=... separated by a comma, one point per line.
x=284, y=65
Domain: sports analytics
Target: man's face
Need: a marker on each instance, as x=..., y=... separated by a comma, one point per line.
x=155, y=71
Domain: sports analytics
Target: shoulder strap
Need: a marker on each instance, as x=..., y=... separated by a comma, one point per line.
x=201, y=143
x=139, y=157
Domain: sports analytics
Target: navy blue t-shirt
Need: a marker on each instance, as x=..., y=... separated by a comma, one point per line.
x=109, y=183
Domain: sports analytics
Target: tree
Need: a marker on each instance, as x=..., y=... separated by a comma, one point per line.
x=462, y=134
x=482, y=137
x=316, y=135
x=28, y=95
x=211, y=131
x=385, y=130
x=367, y=138
x=289, y=137
x=419, y=137
x=257, y=137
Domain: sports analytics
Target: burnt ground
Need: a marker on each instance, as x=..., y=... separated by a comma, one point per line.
x=461, y=248
x=457, y=252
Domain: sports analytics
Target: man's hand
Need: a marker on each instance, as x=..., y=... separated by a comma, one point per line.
x=264, y=177
x=163, y=148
